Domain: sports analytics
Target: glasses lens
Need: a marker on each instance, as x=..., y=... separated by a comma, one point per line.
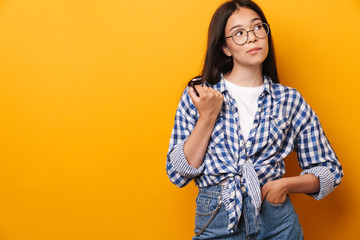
x=261, y=30
x=240, y=36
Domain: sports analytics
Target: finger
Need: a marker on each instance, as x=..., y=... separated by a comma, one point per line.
x=211, y=90
x=193, y=95
x=219, y=95
x=217, y=92
x=264, y=192
x=200, y=89
x=206, y=88
x=263, y=195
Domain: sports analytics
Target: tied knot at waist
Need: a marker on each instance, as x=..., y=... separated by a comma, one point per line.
x=246, y=180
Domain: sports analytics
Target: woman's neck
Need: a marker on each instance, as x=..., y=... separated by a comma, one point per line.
x=246, y=76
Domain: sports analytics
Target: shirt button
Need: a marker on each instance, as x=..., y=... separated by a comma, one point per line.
x=248, y=144
x=243, y=189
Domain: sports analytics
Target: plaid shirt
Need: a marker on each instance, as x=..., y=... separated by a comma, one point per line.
x=283, y=122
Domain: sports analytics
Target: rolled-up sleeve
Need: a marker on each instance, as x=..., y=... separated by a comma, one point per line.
x=326, y=181
x=178, y=169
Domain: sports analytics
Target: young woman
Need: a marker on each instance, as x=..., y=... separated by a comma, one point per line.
x=234, y=126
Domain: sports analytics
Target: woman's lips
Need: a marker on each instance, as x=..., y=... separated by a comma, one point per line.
x=253, y=51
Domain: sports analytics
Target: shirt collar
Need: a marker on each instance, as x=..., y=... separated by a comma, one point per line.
x=268, y=84
x=220, y=86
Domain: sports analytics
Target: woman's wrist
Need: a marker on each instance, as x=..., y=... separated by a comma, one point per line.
x=196, y=145
x=285, y=185
x=301, y=184
x=206, y=121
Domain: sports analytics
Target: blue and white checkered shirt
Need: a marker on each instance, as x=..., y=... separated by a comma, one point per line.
x=283, y=122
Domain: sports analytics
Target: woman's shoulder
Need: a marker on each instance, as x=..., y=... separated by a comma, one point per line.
x=283, y=91
x=290, y=100
x=185, y=105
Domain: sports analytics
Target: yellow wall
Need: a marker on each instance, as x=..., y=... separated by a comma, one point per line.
x=88, y=93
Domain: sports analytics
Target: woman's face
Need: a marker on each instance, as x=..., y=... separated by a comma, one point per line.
x=255, y=50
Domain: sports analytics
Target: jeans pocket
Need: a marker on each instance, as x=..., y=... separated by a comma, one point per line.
x=276, y=205
x=206, y=210
x=206, y=205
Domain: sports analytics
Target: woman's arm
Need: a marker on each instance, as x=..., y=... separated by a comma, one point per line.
x=193, y=129
x=276, y=191
x=322, y=171
x=208, y=104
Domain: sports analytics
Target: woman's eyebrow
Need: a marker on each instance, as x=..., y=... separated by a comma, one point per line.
x=240, y=25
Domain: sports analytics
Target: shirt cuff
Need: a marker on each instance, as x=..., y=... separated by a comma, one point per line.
x=326, y=181
x=181, y=165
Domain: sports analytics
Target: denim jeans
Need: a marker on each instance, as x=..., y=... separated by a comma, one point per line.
x=275, y=221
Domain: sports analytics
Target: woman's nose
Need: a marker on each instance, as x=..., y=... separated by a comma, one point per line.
x=251, y=36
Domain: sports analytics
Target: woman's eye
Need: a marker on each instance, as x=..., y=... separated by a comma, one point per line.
x=239, y=33
x=258, y=27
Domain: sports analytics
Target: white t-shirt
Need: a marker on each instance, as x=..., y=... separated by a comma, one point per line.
x=246, y=101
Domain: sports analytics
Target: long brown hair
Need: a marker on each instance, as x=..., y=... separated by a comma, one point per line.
x=216, y=62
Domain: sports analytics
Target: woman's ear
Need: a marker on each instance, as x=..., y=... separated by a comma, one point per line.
x=226, y=50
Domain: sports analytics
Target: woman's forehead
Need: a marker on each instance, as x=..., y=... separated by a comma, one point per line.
x=243, y=17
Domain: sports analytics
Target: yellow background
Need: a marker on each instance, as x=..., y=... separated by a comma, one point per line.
x=88, y=93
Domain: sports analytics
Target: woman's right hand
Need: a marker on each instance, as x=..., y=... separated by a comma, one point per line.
x=208, y=103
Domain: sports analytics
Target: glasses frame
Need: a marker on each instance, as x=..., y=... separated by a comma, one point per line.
x=247, y=33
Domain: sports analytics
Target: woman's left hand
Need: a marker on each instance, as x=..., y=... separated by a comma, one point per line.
x=275, y=191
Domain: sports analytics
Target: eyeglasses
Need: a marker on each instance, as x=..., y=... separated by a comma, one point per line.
x=240, y=36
